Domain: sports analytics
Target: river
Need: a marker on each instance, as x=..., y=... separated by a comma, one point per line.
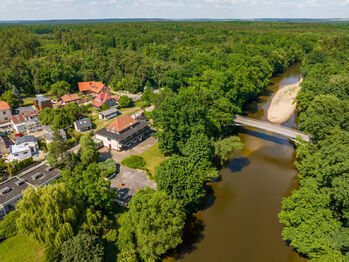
x=239, y=219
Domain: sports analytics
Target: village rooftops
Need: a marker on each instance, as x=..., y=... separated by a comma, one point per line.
x=70, y=98
x=4, y=106
x=18, y=119
x=41, y=99
x=121, y=123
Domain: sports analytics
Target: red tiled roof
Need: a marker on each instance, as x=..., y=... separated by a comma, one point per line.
x=18, y=118
x=116, y=98
x=4, y=106
x=121, y=123
x=70, y=98
x=101, y=99
x=93, y=86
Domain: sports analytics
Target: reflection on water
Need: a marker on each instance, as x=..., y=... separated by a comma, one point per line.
x=239, y=219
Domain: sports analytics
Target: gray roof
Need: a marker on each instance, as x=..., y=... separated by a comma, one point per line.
x=40, y=175
x=49, y=132
x=127, y=135
x=109, y=111
x=25, y=139
x=41, y=98
x=83, y=123
x=35, y=175
x=11, y=189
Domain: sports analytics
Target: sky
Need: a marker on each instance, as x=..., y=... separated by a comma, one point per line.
x=175, y=9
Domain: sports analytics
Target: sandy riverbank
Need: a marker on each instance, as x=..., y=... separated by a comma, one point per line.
x=282, y=105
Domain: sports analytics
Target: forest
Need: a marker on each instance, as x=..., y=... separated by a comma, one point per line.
x=207, y=72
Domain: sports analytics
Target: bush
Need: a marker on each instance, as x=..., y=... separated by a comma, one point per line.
x=8, y=226
x=124, y=101
x=136, y=162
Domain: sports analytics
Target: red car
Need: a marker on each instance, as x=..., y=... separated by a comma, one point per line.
x=18, y=135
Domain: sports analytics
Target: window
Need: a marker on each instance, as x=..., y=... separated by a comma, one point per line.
x=24, y=153
x=4, y=112
x=6, y=118
x=109, y=139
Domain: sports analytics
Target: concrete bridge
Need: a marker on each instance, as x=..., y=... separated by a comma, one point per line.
x=281, y=130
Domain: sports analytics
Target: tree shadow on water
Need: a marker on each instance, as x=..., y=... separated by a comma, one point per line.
x=192, y=236
x=237, y=164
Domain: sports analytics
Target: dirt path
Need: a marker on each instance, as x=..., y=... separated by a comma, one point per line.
x=282, y=105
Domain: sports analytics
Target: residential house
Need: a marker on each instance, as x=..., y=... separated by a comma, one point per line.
x=104, y=98
x=108, y=114
x=26, y=120
x=5, y=112
x=70, y=98
x=83, y=125
x=41, y=102
x=25, y=147
x=49, y=134
x=123, y=132
x=93, y=88
x=35, y=176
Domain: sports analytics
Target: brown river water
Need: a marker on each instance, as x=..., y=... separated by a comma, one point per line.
x=239, y=219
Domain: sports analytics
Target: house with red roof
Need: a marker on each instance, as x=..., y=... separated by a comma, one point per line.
x=21, y=121
x=105, y=98
x=93, y=88
x=5, y=112
x=123, y=132
x=70, y=98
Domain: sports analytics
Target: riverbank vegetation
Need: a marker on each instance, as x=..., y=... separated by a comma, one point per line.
x=206, y=71
x=316, y=216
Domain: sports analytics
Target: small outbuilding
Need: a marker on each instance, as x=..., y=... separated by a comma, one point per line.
x=108, y=114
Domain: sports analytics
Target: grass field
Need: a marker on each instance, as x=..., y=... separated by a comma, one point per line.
x=20, y=248
x=28, y=101
x=153, y=157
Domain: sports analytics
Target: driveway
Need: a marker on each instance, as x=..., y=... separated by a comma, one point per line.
x=128, y=181
x=105, y=153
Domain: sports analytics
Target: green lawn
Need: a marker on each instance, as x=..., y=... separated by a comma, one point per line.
x=21, y=248
x=28, y=101
x=153, y=157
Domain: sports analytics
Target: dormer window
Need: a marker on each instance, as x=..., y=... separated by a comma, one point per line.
x=36, y=176
x=5, y=190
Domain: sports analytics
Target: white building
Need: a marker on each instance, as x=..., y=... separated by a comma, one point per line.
x=123, y=132
x=25, y=147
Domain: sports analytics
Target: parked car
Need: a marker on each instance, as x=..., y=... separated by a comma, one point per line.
x=18, y=135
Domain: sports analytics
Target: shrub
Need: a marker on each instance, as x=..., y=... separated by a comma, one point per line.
x=136, y=162
x=124, y=101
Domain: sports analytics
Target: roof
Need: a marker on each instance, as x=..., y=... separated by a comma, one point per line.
x=70, y=97
x=25, y=139
x=16, y=119
x=101, y=99
x=83, y=123
x=13, y=188
x=122, y=123
x=123, y=137
x=41, y=98
x=19, y=148
x=109, y=112
x=49, y=132
x=93, y=86
x=4, y=106
x=39, y=175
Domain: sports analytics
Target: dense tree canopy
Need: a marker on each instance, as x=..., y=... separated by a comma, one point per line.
x=153, y=225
